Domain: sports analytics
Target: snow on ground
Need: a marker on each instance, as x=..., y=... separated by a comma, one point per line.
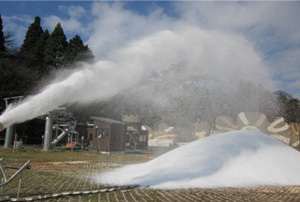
x=233, y=159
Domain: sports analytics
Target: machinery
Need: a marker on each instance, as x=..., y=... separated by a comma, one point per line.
x=60, y=125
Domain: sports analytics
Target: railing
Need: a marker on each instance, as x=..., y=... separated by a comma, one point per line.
x=19, y=171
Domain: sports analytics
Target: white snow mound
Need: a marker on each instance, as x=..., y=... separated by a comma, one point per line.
x=233, y=159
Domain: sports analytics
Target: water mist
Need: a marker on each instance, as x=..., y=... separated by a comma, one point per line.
x=229, y=57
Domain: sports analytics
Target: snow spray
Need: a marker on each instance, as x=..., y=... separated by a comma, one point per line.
x=223, y=55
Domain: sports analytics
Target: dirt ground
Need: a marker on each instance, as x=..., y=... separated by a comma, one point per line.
x=66, y=176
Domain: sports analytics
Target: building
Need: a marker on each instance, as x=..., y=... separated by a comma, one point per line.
x=108, y=135
x=137, y=138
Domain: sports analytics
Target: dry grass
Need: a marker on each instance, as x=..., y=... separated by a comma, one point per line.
x=56, y=172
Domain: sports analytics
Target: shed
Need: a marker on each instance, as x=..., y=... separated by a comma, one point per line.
x=108, y=134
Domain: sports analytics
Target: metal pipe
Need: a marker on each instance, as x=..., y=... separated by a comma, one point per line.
x=8, y=136
x=2, y=170
x=19, y=186
x=16, y=173
x=48, y=132
x=59, y=138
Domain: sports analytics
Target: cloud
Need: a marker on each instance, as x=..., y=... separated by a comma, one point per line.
x=240, y=15
x=17, y=25
x=72, y=24
x=69, y=25
x=114, y=26
x=73, y=11
x=286, y=67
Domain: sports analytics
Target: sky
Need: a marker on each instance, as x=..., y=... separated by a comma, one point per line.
x=271, y=27
x=234, y=159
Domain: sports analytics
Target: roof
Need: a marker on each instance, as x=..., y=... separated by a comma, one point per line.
x=107, y=120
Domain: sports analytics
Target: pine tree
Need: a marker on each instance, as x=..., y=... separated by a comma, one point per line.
x=76, y=51
x=2, y=40
x=55, y=47
x=39, y=48
x=33, y=34
x=10, y=43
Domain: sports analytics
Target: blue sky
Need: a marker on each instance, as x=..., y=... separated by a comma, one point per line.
x=272, y=28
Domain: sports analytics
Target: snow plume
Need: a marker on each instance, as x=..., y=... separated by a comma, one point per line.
x=233, y=159
x=226, y=56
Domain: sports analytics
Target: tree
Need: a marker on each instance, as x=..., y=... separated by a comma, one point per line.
x=39, y=48
x=292, y=111
x=76, y=51
x=289, y=107
x=10, y=43
x=33, y=34
x=55, y=47
x=2, y=40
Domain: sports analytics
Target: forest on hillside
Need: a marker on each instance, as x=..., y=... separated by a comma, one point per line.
x=41, y=54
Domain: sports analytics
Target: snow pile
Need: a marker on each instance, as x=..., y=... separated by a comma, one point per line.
x=233, y=159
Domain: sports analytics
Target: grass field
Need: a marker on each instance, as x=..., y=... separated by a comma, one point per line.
x=66, y=172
